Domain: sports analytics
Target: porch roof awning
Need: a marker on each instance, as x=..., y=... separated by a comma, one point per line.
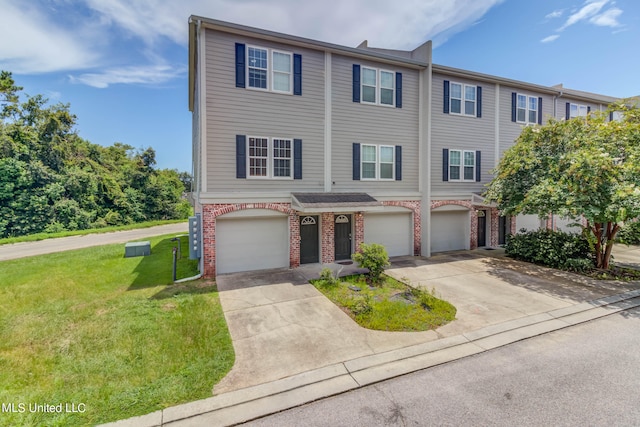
x=334, y=202
x=478, y=199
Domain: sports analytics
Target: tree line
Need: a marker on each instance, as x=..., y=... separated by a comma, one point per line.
x=53, y=180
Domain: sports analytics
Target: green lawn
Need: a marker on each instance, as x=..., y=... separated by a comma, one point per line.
x=92, y=327
x=43, y=236
x=390, y=306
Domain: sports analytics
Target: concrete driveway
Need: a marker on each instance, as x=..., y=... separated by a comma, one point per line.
x=281, y=325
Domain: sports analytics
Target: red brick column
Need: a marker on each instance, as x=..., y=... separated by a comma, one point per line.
x=328, y=238
x=512, y=227
x=294, y=240
x=495, y=222
x=209, y=241
x=473, y=234
x=359, y=230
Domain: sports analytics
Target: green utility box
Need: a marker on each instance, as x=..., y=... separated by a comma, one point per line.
x=132, y=249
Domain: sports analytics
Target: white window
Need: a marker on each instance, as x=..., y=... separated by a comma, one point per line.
x=462, y=165
x=270, y=157
x=617, y=116
x=577, y=110
x=377, y=162
x=258, y=157
x=527, y=109
x=462, y=99
x=269, y=69
x=378, y=86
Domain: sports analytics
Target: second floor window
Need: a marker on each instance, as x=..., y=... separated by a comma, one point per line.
x=462, y=99
x=269, y=69
x=378, y=162
x=577, y=110
x=269, y=158
x=462, y=165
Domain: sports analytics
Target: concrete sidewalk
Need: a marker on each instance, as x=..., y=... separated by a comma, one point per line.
x=294, y=346
x=41, y=247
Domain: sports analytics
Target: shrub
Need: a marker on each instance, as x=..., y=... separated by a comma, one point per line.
x=328, y=278
x=629, y=234
x=551, y=248
x=373, y=257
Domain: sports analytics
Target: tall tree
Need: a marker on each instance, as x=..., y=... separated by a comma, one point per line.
x=587, y=167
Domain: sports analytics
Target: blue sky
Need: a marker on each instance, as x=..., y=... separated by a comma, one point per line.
x=122, y=64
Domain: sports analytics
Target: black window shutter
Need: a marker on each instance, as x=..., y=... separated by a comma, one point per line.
x=610, y=116
x=241, y=156
x=398, y=162
x=514, y=103
x=297, y=159
x=540, y=110
x=297, y=74
x=445, y=106
x=479, y=101
x=240, y=65
x=445, y=164
x=356, y=161
x=588, y=109
x=356, y=83
x=567, y=115
x=478, y=167
x=398, y=90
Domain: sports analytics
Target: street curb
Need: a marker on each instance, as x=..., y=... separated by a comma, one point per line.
x=258, y=401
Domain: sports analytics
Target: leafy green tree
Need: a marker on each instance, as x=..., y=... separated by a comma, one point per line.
x=587, y=167
x=53, y=180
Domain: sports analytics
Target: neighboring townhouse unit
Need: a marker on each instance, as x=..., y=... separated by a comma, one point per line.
x=302, y=149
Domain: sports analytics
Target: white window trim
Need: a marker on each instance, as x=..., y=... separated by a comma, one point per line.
x=378, y=87
x=463, y=100
x=270, y=71
x=578, y=107
x=270, y=162
x=461, y=166
x=527, y=110
x=377, y=163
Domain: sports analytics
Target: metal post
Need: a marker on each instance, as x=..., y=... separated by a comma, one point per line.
x=175, y=250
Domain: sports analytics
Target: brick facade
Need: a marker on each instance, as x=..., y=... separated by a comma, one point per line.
x=327, y=242
x=415, y=206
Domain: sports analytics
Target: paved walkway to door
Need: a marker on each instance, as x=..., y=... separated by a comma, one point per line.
x=281, y=325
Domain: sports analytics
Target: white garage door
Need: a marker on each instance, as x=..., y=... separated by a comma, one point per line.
x=530, y=222
x=566, y=224
x=244, y=244
x=392, y=230
x=449, y=230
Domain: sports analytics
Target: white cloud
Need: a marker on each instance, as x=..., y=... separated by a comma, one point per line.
x=87, y=35
x=555, y=14
x=32, y=43
x=153, y=74
x=550, y=38
x=590, y=9
x=608, y=18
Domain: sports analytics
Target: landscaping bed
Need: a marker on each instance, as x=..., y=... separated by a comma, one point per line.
x=388, y=306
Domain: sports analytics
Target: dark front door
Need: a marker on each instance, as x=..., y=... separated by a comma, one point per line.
x=503, y=229
x=309, y=247
x=342, y=229
x=482, y=229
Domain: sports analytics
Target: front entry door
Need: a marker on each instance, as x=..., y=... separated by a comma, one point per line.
x=482, y=229
x=309, y=245
x=342, y=230
x=503, y=229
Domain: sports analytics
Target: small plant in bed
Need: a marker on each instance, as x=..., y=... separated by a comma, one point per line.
x=389, y=306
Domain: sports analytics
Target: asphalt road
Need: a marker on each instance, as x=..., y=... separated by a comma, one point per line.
x=26, y=249
x=587, y=375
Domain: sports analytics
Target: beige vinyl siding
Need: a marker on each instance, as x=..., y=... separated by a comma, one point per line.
x=235, y=111
x=459, y=132
x=510, y=131
x=372, y=124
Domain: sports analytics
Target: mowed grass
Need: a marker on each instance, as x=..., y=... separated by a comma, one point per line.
x=112, y=333
x=389, y=306
x=43, y=236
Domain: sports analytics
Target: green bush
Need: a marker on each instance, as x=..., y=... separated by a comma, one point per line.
x=373, y=257
x=551, y=248
x=328, y=278
x=629, y=234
